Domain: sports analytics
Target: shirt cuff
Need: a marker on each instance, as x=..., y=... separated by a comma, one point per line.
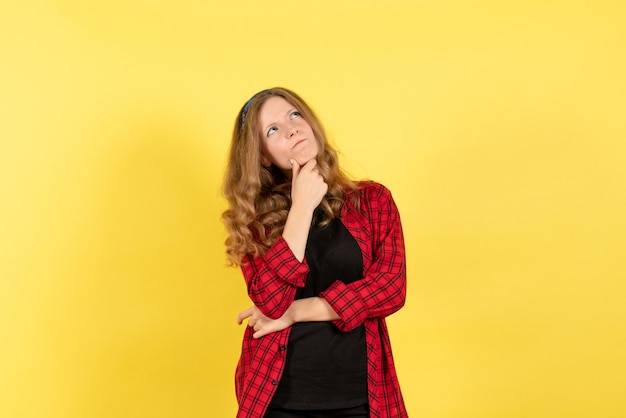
x=280, y=258
x=347, y=304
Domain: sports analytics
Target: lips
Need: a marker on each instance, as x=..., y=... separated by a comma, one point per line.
x=298, y=143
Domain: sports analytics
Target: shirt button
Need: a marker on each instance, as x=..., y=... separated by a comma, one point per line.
x=281, y=348
x=274, y=382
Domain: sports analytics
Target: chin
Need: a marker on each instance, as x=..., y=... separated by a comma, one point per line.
x=302, y=160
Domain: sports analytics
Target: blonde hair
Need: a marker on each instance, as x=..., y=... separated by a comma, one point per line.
x=259, y=197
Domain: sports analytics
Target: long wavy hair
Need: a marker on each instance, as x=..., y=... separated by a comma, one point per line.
x=259, y=197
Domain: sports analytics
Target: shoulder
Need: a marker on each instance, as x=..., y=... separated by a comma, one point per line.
x=372, y=191
x=371, y=197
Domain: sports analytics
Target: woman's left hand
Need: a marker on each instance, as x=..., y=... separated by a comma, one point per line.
x=263, y=325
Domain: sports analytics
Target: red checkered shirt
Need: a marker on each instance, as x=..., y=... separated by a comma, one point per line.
x=272, y=282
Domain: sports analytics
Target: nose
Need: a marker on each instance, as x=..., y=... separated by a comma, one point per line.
x=292, y=132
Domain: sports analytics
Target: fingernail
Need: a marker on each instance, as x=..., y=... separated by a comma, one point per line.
x=290, y=161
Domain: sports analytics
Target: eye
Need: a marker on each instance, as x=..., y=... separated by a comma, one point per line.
x=271, y=130
x=295, y=114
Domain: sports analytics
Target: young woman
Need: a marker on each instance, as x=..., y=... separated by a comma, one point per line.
x=324, y=263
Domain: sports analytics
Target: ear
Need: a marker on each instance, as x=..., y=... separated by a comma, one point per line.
x=264, y=161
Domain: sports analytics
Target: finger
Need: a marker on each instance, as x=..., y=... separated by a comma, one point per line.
x=295, y=168
x=259, y=334
x=245, y=314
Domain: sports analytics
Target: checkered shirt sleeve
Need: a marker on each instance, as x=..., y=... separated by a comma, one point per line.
x=273, y=279
x=382, y=290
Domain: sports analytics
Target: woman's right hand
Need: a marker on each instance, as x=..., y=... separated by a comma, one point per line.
x=307, y=191
x=307, y=185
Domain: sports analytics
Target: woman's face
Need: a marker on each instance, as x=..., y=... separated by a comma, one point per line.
x=285, y=135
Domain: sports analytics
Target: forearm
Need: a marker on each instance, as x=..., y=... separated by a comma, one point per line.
x=296, y=230
x=310, y=310
x=301, y=310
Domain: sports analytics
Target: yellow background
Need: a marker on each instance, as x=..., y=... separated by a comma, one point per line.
x=498, y=126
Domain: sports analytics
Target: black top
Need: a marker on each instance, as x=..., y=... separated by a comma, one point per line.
x=326, y=368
